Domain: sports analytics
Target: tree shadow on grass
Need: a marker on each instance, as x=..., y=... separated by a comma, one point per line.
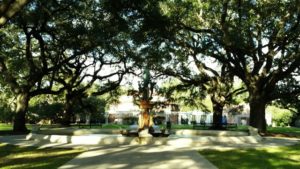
x=145, y=156
x=272, y=157
x=11, y=132
x=31, y=157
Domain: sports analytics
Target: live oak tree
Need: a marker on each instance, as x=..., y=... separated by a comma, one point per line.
x=37, y=42
x=258, y=41
x=28, y=56
x=167, y=49
x=102, y=69
x=104, y=65
x=202, y=79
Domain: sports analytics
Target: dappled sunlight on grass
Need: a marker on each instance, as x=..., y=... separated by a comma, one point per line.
x=271, y=157
x=31, y=157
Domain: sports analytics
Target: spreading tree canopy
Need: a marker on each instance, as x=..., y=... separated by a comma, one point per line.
x=257, y=41
x=45, y=38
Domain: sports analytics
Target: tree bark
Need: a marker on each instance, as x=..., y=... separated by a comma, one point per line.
x=68, y=111
x=217, y=115
x=218, y=105
x=20, y=116
x=257, y=112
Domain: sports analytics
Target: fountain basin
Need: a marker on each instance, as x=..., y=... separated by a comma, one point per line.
x=179, y=138
x=76, y=132
x=97, y=139
x=189, y=132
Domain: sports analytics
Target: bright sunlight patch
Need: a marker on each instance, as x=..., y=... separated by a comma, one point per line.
x=267, y=158
x=15, y=157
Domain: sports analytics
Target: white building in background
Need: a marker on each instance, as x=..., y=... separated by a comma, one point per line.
x=195, y=116
x=126, y=108
x=170, y=112
x=242, y=117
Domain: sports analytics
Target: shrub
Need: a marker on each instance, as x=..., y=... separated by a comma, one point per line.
x=6, y=115
x=45, y=111
x=281, y=117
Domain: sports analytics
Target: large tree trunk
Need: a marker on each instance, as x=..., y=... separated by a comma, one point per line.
x=68, y=111
x=218, y=105
x=21, y=109
x=257, y=112
x=217, y=115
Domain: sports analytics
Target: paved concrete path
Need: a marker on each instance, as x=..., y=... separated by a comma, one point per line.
x=139, y=157
x=143, y=157
x=125, y=156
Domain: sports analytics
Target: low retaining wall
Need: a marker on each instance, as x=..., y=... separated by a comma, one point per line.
x=179, y=132
x=188, y=132
x=102, y=139
x=210, y=140
x=96, y=139
x=76, y=132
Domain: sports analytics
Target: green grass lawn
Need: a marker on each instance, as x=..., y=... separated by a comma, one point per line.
x=4, y=126
x=14, y=157
x=260, y=158
x=7, y=127
x=293, y=131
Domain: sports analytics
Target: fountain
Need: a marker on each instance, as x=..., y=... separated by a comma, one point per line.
x=142, y=97
x=144, y=100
